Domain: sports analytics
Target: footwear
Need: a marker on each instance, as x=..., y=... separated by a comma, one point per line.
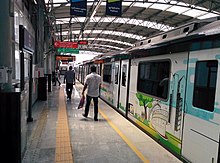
x=95, y=119
x=84, y=115
x=69, y=98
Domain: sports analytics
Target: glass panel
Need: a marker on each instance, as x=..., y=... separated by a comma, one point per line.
x=116, y=74
x=107, y=73
x=205, y=85
x=153, y=78
x=17, y=63
x=124, y=74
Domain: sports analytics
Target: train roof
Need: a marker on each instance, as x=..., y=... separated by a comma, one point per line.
x=183, y=33
x=209, y=29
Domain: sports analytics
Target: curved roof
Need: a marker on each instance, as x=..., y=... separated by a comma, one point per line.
x=139, y=19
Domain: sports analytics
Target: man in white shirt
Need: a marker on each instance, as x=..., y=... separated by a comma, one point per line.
x=93, y=83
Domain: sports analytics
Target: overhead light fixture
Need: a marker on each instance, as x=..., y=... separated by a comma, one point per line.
x=35, y=1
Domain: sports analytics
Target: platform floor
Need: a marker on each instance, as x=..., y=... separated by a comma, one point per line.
x=59, y=133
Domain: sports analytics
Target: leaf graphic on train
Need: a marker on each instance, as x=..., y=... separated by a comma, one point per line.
x=144, y=101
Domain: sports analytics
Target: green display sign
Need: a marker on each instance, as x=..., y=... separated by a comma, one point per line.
x=68, y=50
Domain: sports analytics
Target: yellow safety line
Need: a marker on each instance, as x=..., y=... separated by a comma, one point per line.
x=132, y=146
x=63, y=145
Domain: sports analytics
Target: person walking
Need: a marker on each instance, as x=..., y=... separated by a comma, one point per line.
x=93, y=83
x=69, y=77
x=57, y=77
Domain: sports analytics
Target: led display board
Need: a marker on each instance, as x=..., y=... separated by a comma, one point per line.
x=68, y=58
x=83, y=42
x=65, y=44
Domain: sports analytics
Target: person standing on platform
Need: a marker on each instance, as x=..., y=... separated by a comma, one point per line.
x=93, y=83
x=69, y=77
x=57, y=77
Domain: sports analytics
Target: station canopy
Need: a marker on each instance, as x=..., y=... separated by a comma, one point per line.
x=139, y=19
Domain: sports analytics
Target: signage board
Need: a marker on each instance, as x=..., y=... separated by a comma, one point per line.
x=78, y=8
x=67, y=58
x=113, y=7
x=83, y=42
x=26, y=40
x=65, y=44
x=98, y=61
x=68, y=50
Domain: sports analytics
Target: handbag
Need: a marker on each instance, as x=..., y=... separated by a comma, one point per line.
x=81, y=102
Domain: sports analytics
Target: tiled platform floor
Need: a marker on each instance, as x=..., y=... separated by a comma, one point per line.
x=112, y=139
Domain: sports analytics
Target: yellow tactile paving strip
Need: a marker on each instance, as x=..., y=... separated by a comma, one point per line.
x=63, y=145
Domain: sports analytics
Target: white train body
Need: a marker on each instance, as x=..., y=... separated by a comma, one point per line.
x=170, y=88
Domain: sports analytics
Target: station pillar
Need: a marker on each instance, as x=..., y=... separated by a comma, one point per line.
x=6, y=42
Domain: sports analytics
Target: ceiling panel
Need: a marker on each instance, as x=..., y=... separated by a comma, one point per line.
x=138, y=18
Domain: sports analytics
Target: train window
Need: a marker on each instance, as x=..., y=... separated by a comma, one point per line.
x=107, y=71
x=153, y=78
x=164, y=36
x=116, y=74
x=124, y=72
x=186, y=30
x=205, y=85
x=98, y=70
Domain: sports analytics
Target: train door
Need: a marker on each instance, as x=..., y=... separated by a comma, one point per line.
x=86, y=72
x=133, y=89
x=115, y=81
x=83, y=74
x=156, y=97
x=123, y=86
x=87, y=68
x=106, y=92
x=98, y=70
x=201, y=131
x=80, y=73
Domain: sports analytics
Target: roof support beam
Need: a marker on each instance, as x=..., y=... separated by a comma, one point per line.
x=90, y=17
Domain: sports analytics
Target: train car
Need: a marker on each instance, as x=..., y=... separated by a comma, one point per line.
x=115, y=82
x=168, y=85
x=77, y=73
x=80, y=70
x=175, y=93
x=83, y=69
x=63, y=68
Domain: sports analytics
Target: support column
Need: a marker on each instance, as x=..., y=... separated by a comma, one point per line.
x=49, y=71
x=61, y=35
x=6, y=43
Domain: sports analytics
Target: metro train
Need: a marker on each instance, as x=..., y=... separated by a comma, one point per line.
x=169, y=86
